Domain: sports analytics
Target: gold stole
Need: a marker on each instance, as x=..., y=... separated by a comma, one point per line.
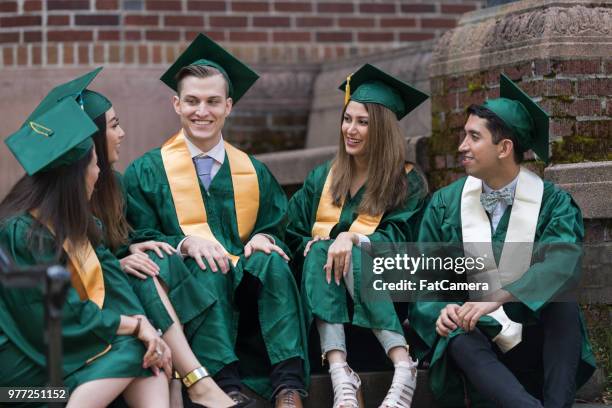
x=187, y=197
x=515, y=259
x=85, y=271
x=328, y=214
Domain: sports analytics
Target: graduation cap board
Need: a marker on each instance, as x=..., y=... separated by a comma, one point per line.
x=519, y=112
x=206, y=52
x=59, y=136
x=371, y=85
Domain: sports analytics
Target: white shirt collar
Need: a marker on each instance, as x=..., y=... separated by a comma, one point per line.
x=217, y=152
x=510, y=186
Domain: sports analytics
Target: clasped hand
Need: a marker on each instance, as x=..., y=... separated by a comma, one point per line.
x=139, y=264
x=465, y=316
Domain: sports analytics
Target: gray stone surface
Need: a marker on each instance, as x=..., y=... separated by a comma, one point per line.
x=409, y=64
x=522, y=31
x=590, y=184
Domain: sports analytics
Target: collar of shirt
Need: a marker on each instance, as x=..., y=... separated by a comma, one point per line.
x=510, y=186
x=217, y=152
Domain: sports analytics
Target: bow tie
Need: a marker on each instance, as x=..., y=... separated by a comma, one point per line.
x=490, y=200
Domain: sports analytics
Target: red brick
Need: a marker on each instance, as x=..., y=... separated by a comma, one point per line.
x=69, y=35
x=558, y=87
x=184, y=21
x=493, y=93
x=594, y=128
x=415, y=36
x=157, y=54
x=609, y=107
x=143, y=54
x=114, y=54
x=83, y=54
x=377, y=8
x=20, y=21
x=97, y=19
x=9, y=37
x=397, y=22
x=608, y=67
x=229, y=22
x=271, y=22
x=58, y=20
x=68, y=50
x=577, y=67
x=171, y=54
x=457, y=8
x=160, y=5
x=356, y=22
x=68, y=5
x=8, y=7
x=438, y=23
x=109, y=35
x=534, y=88
x=291, y=36
x=517, y=72
x=314, y=21
x=215, y=35
x=467, y=98
x=32, y=36
x=418, y=8
x=577, y=107
x=107, y=4
x=36, y=55
x=543, y=67
x=98, y=54
x=292, y=7
x=7, y=56
x=22, y=55
x=128, y=54
x=375, y=37
x=140, y=20
x=334, y=36
x=132, y=35
x=206, y=5
x=250, y=6
x=52, y=55
x=162, y=35
x=335, y=8
x=32, y=5
x=248, y=36
x=595, y=86
x=561, y=127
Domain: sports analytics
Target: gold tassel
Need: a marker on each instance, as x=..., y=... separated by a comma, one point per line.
x=347, y=90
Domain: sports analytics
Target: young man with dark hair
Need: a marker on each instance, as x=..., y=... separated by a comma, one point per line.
x=224, y=212
x=487, y=351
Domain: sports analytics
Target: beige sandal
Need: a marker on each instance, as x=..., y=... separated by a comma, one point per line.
x=347, y=386
x=402, y=387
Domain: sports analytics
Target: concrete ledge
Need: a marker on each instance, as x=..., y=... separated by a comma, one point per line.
x=589, y=183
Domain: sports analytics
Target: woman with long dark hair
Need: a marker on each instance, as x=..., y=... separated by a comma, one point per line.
x=110, y=348
x=368, y=193
x=171, y=295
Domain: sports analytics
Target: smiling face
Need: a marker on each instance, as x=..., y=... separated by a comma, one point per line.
x=355, y=129
x=481, y=157
x=203, y=106
x=114, y=136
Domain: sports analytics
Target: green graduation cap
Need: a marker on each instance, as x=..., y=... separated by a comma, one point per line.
x=58, y=136
x=521, y=114
x=76, y=89
x=371, y=85
x=206, y=52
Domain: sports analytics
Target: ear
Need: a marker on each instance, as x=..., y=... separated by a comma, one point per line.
x=228, y=106
x=505, y=149
x=176, y=103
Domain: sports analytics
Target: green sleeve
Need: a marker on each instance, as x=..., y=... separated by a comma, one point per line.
x=557, y=251
x=402, y=224
x=301, y=214
x=141, y=213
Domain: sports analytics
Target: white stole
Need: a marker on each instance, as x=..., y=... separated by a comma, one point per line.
x=515, y=259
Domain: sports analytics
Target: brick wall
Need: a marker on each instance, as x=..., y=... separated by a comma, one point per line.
x=151, y=32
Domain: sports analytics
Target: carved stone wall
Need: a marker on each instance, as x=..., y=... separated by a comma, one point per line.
x=557, y=51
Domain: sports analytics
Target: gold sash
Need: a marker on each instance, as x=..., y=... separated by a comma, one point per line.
x=85, y=271
x=187, y=197
x=328, y=214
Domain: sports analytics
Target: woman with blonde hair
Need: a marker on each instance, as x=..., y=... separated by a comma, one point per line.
x=368, y=193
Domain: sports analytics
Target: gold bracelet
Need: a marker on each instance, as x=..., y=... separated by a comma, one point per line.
x=195, y=376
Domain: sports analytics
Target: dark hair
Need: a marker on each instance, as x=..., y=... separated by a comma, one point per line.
x=499, y=130
x=387, y=187
x=107, y=201
x=60, y=198
x=198, y=71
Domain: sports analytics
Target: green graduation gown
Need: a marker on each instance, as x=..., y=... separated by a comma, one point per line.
x=152, y=214
x=329, y=301
x=559, y=220
x=87, y=330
